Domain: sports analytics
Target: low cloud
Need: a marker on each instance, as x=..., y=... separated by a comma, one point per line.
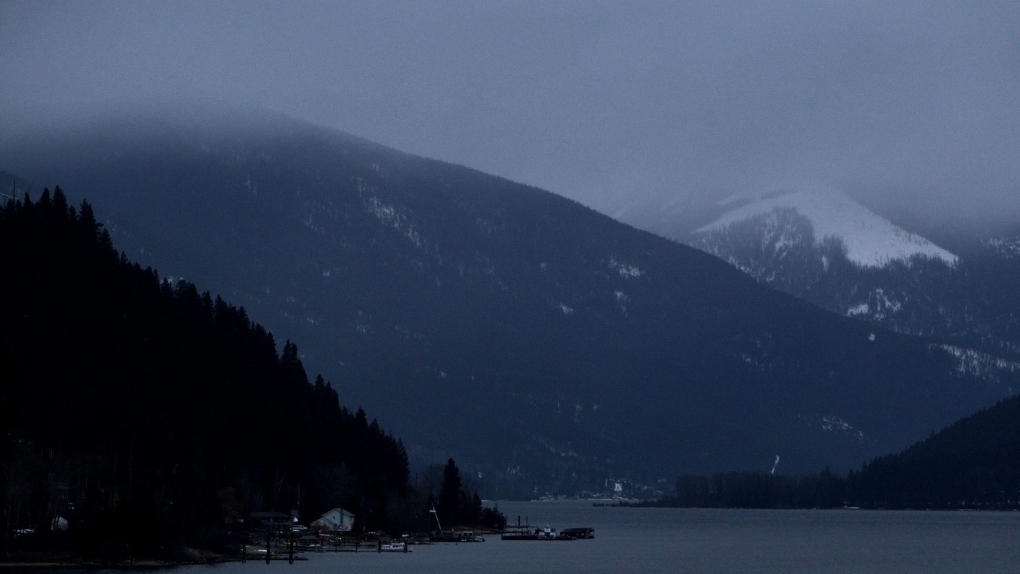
x=622, y=106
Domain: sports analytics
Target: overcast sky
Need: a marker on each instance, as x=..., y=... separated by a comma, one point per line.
x=599, y=101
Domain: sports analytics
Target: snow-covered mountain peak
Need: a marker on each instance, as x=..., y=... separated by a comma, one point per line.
x=870, y=239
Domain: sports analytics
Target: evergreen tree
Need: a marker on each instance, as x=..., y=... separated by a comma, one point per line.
x=450, y=494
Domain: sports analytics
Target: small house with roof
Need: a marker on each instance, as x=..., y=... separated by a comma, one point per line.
x=336, y=520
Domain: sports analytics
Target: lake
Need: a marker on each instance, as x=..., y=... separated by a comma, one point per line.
x=660, y=540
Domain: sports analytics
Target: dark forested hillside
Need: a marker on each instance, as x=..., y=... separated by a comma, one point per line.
x=973, y=463
x=544, y=346
x=148, y=414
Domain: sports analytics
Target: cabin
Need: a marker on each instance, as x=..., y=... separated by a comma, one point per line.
x=336, y=520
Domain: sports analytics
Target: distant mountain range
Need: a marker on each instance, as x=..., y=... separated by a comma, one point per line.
x=869, y=240
x=547, y=347
x=820, y=245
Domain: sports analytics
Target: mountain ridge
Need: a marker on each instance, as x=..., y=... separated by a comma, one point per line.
x=545, y=345
x=144, y=412
x=870, y=240
x=914, y=288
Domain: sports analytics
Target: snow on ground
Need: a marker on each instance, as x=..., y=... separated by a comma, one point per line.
x=1007, y=247
x=976, y=363
x=871, y=240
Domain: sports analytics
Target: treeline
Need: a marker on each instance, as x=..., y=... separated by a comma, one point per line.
x=757, y=490
x=974, y=463
x=139, y=415
x=458, y=506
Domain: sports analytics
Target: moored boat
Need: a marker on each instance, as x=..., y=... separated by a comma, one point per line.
x=584, y=533
x=527, y=533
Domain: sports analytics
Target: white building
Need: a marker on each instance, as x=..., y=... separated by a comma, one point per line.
x=336, y=520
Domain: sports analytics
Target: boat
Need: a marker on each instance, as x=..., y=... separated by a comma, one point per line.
x=394, y=547
x=519, y=534
x=466, y=536
x=526, y=533
x=583, y=533
x=454, y=535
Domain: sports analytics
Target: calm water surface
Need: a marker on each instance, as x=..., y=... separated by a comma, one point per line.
x=649, y=540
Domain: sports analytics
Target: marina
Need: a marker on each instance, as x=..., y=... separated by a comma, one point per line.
x=703, y=541
x=547, y=533
x=691, y=541
x=527, y=532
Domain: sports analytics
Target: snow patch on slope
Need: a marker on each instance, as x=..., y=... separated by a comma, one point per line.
x=877, y=307
x=1006, y=247
x=977, y=364
x=871, y=240
x=625, y=270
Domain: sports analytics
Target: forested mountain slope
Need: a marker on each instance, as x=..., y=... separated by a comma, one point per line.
x=546, y=347
x=148, y=414
x=973, y=463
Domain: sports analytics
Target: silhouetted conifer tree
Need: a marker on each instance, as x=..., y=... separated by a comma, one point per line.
x=449, y=507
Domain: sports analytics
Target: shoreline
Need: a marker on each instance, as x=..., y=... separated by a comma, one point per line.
x=139, y=565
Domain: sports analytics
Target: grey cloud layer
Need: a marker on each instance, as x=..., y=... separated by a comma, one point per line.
x=603, y=102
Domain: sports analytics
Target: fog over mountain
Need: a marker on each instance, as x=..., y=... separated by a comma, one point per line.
x=635, y=109
x=545, y=346
x=819, y=245
x=648, y=112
